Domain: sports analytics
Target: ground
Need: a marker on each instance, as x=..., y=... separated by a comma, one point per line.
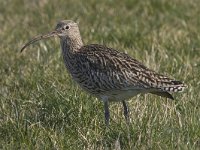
x=42, y=108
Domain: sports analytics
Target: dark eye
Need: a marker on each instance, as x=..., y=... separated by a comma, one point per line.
x=67, y=27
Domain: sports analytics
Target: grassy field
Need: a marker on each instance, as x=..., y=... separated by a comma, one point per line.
x=42, y=108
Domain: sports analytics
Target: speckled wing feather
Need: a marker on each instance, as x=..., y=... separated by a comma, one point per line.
x=115, y=70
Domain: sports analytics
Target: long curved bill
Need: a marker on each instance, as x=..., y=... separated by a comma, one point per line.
x=39, y=37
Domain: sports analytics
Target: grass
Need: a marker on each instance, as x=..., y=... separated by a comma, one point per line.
x=42, y=108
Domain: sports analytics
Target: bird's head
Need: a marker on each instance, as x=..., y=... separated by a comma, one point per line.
x=65, y=29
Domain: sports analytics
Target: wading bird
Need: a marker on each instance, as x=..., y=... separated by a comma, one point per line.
x=106, y=73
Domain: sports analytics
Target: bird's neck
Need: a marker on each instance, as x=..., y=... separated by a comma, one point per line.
x=70, y=47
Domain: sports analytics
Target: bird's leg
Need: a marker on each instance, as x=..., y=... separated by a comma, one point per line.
x=126, y=111
x=107, y=113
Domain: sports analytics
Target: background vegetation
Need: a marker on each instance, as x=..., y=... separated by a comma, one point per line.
x=42, y=108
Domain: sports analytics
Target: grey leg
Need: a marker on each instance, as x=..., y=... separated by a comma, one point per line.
x=107, y=113
x=126, y=112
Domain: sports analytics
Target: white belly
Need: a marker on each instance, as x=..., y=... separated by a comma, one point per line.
x=120, y=95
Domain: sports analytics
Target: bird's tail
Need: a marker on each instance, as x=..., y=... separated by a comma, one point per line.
x=173, y=86
x=168, y=87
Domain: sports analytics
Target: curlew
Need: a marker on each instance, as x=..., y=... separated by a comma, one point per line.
x=106, y=73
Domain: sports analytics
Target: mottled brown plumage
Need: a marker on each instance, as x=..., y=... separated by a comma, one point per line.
x=107, y=73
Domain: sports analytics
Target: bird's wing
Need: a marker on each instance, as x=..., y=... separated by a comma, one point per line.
x=118, y=70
